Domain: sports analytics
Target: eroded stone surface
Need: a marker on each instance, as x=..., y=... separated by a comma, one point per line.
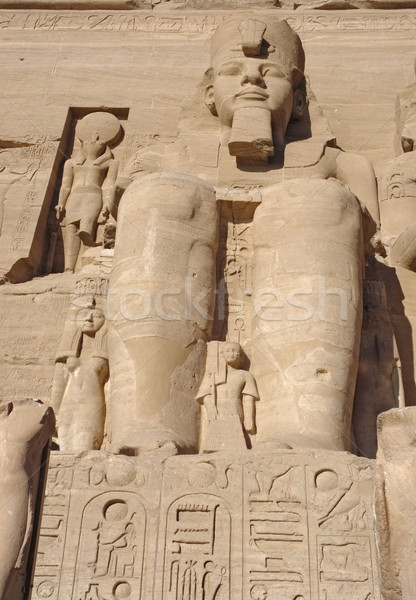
x=395, y=502
x=25, y=428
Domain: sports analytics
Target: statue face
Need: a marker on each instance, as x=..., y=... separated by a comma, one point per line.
x=90, y=320
x=93, y=148
x=252, y=82
x=232, y=354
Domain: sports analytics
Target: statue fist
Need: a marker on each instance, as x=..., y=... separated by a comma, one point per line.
x=59, y=212
x=105, y=213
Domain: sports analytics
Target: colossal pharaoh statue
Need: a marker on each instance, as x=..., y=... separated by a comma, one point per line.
x=318, y=208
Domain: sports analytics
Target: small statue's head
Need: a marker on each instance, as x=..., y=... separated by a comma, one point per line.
x=90, y=318
x=93, y=147
x=232, y=353
x=256, y=64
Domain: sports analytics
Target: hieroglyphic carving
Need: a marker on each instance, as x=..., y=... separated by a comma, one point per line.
x=89, y=286
x=23, y=222
x=53, y=530
x=311, y=528
x=197, y=557
x=276, y=528
x=143, y=153
x=126, y=21
x=235, y=266
x=11, y=173
x=341, y=517
x=111, y=548
x=42, y=149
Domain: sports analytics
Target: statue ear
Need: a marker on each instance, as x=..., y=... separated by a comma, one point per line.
x=209, y=92
x=300, y=103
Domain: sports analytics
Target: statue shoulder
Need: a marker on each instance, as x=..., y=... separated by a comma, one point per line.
x=357, y=173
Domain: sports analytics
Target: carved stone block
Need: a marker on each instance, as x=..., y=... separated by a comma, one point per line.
x=221, y=526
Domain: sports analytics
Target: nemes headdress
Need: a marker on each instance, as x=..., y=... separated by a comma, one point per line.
x=253, y=36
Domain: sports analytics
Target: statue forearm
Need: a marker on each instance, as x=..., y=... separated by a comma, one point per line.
x=248, y=411
x=58, y=386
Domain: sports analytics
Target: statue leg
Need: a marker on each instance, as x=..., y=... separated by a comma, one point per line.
x=161, y=301
x=307, y=312
x=72, y=244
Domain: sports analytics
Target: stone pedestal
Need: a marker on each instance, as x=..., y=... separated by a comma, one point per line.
x=257, y=525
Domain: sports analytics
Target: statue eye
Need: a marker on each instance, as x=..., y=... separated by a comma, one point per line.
x=272, y=72
x=229, y=70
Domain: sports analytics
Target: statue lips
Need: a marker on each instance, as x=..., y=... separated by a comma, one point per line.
x=253, y=93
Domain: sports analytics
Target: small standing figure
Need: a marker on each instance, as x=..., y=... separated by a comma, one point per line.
x=80, y=374
x=227, y=394
x=88, y=189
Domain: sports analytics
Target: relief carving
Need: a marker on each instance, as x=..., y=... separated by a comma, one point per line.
x=197, y=559
x=10, y=174
x=111, y=549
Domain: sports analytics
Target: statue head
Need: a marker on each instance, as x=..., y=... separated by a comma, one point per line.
x=93, y=147
x=232, y=353
x=256, y=83
x=90, y=318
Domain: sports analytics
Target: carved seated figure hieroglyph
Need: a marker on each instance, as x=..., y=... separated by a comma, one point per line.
x=88, y=187
x=317, y=209
x=227, y=395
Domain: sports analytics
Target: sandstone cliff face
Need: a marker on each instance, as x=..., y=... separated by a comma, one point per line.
x=207, y=248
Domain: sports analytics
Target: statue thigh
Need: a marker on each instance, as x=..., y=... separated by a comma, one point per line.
x=307, y=312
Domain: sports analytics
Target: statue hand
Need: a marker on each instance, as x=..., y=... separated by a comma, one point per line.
x=249, y=425
x=59, y=212
x=105, y=213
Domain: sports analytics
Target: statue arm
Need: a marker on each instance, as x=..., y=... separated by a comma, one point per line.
x=67, y=180
x=248, y=412
x=250, y=395
x=211, y=409
x=109, y=189
x=358, y=173
x=60, y=379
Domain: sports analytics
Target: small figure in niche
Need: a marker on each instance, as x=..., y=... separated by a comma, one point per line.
x=88, y=189
x=227, y=394
x=80, y=374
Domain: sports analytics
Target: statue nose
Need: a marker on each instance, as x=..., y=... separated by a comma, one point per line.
x=254, y=77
